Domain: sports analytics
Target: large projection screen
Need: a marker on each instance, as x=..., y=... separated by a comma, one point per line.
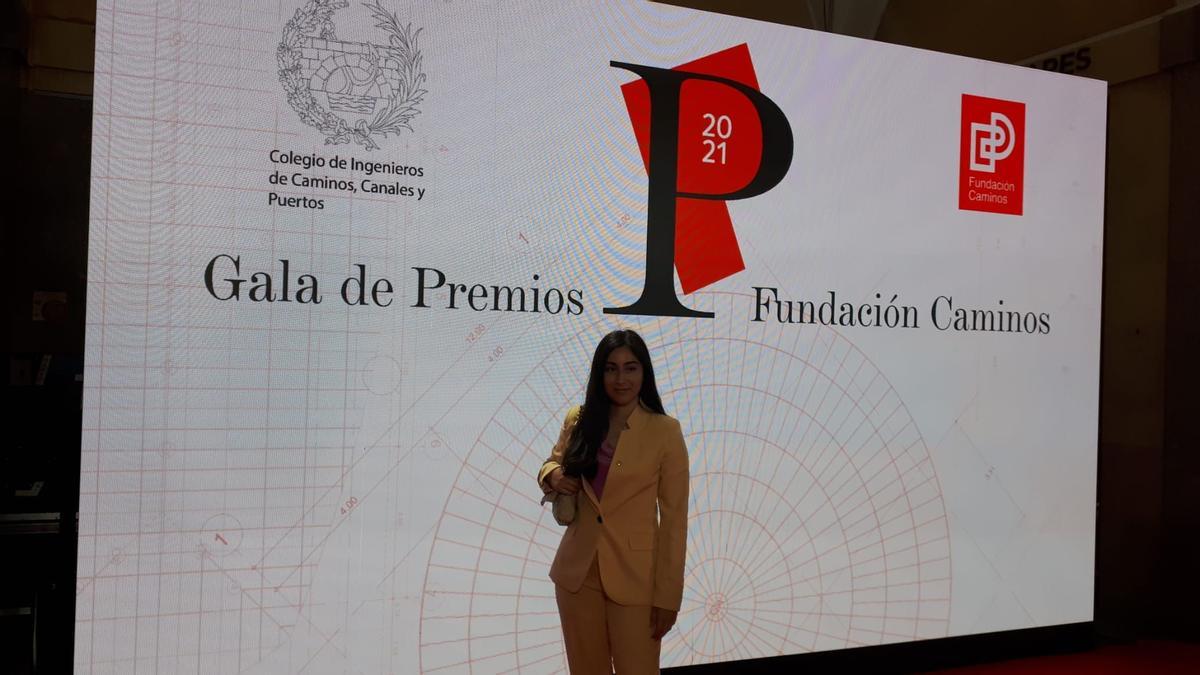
x=348, y=263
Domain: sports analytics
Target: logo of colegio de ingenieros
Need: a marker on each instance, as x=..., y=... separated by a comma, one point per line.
x=707, y=135
x=353, y=92
x=991, y=165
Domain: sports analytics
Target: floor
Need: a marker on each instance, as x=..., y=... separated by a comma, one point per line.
x=1141, y=658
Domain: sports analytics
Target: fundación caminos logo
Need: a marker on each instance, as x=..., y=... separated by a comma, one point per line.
x=353, y=92
x=991, y=175
x=707, y=135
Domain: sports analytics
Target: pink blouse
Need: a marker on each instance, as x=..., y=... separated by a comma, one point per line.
x=604, y=458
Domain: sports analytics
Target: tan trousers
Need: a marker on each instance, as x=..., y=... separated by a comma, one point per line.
x=601, y=635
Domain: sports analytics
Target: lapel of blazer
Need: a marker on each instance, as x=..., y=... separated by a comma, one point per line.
x=591, y=494
x=630, y=437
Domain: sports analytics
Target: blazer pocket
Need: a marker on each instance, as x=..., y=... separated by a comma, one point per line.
x=641, y=542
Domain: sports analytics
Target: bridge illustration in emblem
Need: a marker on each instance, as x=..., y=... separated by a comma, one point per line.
x=352, y=76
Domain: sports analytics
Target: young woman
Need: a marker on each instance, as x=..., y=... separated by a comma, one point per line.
x=618, y=573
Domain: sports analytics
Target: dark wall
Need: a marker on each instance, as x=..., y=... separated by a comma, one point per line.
x=1181, y=418
x=45, y=215
x=1129, y=535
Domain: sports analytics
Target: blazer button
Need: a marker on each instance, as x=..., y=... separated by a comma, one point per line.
x=599, y=519
x=618, y=463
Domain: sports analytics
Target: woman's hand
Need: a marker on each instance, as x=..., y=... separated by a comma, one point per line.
x=562, y=483
x=661, y=621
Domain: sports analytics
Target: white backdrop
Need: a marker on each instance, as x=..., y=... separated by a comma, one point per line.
x=277, y=487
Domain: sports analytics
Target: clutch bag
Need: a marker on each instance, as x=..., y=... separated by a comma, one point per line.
x=562, y=506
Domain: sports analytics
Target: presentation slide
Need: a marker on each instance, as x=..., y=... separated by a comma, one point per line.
x=349, y=262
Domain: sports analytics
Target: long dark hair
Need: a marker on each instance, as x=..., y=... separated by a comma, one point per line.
x=592, y=427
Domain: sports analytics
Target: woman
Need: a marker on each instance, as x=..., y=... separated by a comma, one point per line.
x=618, y=573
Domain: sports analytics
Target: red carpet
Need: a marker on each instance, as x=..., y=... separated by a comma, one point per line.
x=1142, y=658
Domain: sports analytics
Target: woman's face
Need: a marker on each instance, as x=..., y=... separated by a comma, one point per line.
x=622, y=376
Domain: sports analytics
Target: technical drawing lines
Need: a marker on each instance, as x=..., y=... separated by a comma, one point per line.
x=816, y=520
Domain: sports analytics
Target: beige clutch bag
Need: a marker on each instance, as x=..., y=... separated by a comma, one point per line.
x=562, y=506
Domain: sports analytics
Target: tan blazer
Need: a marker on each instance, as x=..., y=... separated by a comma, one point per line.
x=640, y=555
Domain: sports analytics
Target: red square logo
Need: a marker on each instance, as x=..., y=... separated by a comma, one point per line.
x=991, y=163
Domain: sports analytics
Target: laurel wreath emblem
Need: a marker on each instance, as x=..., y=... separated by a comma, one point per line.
x=401, y=57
